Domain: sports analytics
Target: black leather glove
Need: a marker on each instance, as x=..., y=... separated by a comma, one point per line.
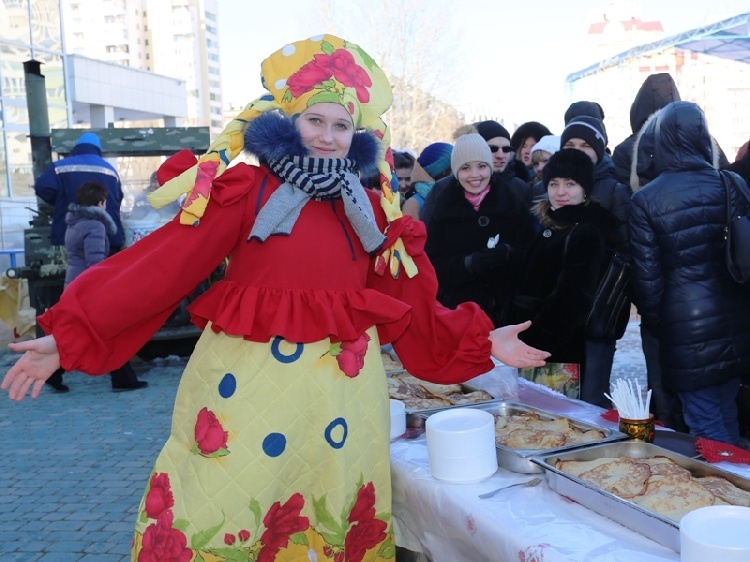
x=486, y=260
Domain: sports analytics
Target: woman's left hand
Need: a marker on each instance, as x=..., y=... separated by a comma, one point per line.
x=506, y=347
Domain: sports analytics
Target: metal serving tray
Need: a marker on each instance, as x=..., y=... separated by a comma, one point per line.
x=519, y=460
x=465, y=389
x=658, y=528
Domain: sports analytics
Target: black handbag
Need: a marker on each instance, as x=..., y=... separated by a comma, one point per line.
x=610, y=310
x=736, y=231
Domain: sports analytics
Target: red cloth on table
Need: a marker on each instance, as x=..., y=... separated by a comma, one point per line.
x=715, y=451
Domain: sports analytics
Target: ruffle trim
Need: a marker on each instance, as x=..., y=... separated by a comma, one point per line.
x=298, y=315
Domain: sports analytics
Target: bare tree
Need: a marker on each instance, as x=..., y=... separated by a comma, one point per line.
x=418, y=50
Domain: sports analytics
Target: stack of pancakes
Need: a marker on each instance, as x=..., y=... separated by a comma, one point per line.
x=422, y=395
x=658, y=484
x=528, y=430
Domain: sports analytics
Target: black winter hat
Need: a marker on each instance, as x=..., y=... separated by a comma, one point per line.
x=531, y=129
x=589, y=129
x=579, y=108
x=573, y=164
x=491, y=129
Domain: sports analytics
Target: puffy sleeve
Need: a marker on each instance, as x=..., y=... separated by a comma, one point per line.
x=645, y=260
x=112, y=309
x=433, y=342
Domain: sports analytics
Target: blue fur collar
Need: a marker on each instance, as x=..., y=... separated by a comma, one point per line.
x=272, y=136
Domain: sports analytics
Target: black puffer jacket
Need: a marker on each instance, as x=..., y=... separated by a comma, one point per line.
x=680, y=280
x=455, y=230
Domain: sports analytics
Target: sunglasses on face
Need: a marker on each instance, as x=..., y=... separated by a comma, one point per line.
x=505, y=149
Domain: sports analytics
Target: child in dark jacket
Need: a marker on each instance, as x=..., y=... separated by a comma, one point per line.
x=87, y=244
x=89, y=224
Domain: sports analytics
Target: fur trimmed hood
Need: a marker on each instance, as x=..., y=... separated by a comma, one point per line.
x=78, y=213
x=272, y=136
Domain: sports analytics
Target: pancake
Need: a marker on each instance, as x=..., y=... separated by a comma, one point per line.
x=534, y=439
x=623, y=477
x=675, y=496
x=725, y=490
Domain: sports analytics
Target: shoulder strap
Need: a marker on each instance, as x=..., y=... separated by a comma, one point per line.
x=729, y=182
x=567, y=240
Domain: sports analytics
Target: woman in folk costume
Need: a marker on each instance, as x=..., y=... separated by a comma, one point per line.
x=279, y=445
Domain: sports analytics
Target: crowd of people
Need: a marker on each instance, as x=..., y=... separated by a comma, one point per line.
x=491, y=246
x=506, y=230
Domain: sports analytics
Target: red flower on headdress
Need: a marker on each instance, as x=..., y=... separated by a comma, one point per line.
x=350, y=74
x=310, y=75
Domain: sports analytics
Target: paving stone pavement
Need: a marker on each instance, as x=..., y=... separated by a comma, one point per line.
x=74, y=466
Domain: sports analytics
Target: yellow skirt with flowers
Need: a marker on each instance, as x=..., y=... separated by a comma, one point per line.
x=278, y=451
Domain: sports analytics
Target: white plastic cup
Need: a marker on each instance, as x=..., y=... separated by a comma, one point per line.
x=461, y=445
x=716, y=532
x=398, y=418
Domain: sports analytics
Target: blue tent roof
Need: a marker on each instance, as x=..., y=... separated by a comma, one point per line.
x=729, y=39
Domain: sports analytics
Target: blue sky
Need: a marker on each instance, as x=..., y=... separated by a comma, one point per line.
x=528, y=45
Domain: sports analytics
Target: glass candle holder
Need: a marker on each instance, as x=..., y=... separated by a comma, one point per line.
x=638, y=430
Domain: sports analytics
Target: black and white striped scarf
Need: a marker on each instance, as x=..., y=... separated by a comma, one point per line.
x=320, y=179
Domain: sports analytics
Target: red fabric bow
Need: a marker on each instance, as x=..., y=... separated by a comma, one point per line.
x=716, y=451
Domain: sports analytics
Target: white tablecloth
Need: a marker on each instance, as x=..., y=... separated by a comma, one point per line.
x=450, y=523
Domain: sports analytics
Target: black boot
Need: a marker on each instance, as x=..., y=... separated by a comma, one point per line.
x=56, y=381
x=124, y=379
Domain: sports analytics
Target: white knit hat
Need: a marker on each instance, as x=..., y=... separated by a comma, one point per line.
x=470, y=147
x=548, y=143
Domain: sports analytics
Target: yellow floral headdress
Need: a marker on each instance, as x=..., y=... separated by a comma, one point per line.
x=320, y=69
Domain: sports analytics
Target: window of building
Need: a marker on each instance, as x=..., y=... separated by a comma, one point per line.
x=211, y=29
x=210, y=16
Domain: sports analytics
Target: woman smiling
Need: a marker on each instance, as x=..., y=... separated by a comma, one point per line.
x=477, y=231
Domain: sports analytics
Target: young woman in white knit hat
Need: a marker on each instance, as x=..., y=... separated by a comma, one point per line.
x=477, y=231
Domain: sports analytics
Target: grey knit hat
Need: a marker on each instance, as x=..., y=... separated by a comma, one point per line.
x=470, y=148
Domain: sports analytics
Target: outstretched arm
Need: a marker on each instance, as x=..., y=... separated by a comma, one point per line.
x=506, y=347
x=39, y=360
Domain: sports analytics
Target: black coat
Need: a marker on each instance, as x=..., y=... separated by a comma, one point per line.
x=558, y=279
x=680, y=279
x=455, y=230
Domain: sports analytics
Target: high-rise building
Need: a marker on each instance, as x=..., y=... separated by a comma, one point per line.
x=106, y=63
x=177, y=38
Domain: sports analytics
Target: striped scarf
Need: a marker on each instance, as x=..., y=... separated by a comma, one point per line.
x=320, y=179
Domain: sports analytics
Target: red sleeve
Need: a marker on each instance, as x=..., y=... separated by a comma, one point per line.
x=112, y=309
x=438, y=344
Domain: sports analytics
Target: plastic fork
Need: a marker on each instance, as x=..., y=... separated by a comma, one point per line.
x=527, y=484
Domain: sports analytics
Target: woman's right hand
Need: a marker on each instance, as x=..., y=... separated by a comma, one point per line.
x=39, y=360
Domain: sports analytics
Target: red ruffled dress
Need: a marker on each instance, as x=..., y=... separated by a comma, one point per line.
x=279, y=446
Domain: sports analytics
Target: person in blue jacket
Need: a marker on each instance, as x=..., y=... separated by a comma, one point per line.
x=58, y=184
